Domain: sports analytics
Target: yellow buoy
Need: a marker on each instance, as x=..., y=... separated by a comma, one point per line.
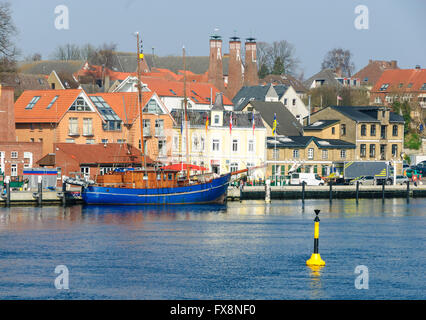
x=315, y=259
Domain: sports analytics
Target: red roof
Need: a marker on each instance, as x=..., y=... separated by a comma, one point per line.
x=40, y=112
x=199, y=92
x=415, y=77
x=100, y=153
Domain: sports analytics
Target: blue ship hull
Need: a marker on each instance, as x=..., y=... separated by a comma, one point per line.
x=211, y=192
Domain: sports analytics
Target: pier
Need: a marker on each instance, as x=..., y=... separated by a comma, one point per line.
x=33, y=198
x=327, y=192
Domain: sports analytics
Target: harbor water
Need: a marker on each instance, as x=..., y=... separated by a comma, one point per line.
x=241, y=250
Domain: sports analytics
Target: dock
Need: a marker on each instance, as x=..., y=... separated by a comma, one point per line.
x=49, y=197
x=325, y=192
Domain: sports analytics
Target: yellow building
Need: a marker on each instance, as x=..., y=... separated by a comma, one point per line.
x=306, y=154
x=377, y=132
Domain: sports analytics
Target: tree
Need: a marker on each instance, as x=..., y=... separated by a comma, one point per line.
x=278, y=67
x=104, y=55
x=263, y=71
x=339, y=58
x=280, y=54
x=67, y=52
x=8, y=51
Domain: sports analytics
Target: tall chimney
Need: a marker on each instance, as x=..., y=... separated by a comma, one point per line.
x=7, y=114
x=235, y=68
x=215, y=72
x=251, y=77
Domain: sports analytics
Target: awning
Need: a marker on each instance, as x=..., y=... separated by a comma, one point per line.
x=183, y=166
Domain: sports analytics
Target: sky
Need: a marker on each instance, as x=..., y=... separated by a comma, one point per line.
x=395, y=29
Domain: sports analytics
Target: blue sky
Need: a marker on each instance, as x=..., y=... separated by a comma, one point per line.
x=396, y=28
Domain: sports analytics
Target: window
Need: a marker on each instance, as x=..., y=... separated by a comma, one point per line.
x=276, y=153
x=170, y=176
x=121, y=140
x=333, y=130
x=69, y=140
x=423, y=87
x=294, y=102
x=146, y=127
x=234, y=166
x=85, y=172
x=377, y=100
x=80, y=105
x=104, y=141
x=363, y=150
x=382, y=152
x=153, y=107
x=310, y=153
x=112, y=125
x=216, y=119
x=285, y=101
x=176, y=143
x=383, y=132
x=251, y=145
x=363, y=130
x=235, y=145
x=14, y=154
x=394, y=150
x=373, y=130
x=14, y=170
x=400, y=85
x=343, y=129
x=372, y=150
x=59, y=175
x=384, y=87
x=395, y=130
x=343, y=154
x=159, y=127
x=32, y=103
x=202, y=144
x=296, y=153
x=52, y=102
x=90, y=141
x=324, y=154
x=215, y=145
x=73, y=127
x=162, y=150
x=87, y=127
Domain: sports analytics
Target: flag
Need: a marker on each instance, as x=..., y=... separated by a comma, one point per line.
x=230, y=123
x=252, y=120
x=207, y=123
x=274, y=125
x=339, y=98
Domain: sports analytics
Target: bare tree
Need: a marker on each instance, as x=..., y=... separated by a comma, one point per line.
x=67, y=52
x=339, y=58
x=8, y=51
x=105, y=55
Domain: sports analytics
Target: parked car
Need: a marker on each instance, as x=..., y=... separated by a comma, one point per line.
x=402, y=180
x=311, y=179
x=366, y=180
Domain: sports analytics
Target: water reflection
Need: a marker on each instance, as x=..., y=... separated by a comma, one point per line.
x=315, y=283
x=34, y=217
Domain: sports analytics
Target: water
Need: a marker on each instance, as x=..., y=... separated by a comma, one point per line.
x=246, y=250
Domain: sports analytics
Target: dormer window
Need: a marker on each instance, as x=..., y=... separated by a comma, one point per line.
x=216, y=119
x=384, y=87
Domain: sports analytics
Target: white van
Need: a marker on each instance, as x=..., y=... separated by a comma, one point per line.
x=311, y=179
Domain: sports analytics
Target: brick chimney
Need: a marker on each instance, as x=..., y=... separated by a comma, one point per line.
x=7, y=114
x=215, y=72
x=393, y=64
x=251, y=77
x=235, y=68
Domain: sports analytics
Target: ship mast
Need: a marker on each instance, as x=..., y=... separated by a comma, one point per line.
x=140, y=101
x=185, y=102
